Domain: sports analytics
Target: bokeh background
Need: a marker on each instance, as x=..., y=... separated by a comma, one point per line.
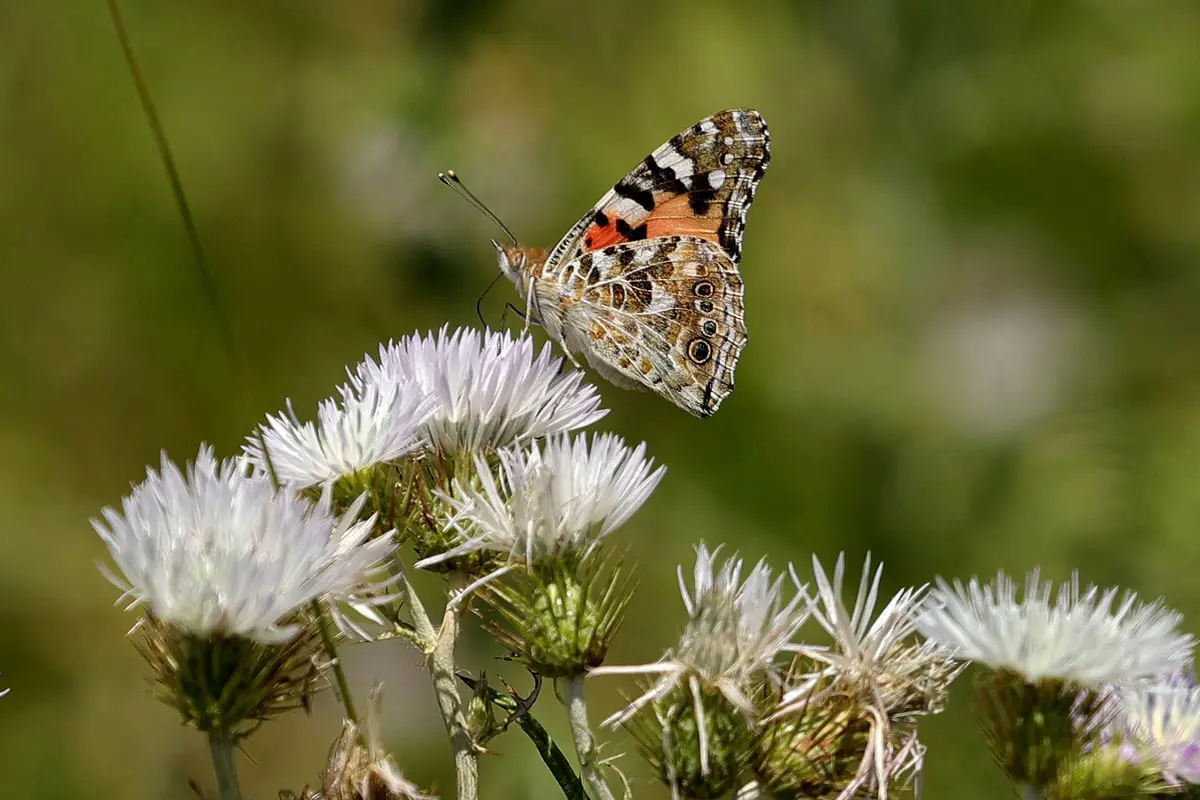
x=972, y=279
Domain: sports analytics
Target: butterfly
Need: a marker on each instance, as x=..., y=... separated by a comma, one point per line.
x=646, y=284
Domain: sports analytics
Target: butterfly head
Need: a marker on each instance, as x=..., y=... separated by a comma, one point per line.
x=518, y=262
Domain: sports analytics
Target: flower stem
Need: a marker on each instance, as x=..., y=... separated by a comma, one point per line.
x=585, y=745
x=554, y=758
x=207, y=279
x=440, y=662
x=220, y=743
x=335, y=663
x=441, y=667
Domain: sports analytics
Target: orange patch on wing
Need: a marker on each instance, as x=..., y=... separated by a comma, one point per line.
x=600, y=236
x=675, y=217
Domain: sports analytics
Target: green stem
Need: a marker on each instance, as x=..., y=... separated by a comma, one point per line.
x=554, y=758
x=220, y=743
x=585, y=745
x=335, y=663
x=207, y=279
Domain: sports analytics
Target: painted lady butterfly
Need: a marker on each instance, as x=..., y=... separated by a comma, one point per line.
x=646, y=285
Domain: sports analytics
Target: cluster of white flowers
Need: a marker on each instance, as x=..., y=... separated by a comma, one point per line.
x=223, y=550
x=236, y=562
x=740, y=644
x=244, y=548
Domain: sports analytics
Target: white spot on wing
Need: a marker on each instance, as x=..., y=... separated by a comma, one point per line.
x=683, y=165
x=716, y=178
x=629, y=210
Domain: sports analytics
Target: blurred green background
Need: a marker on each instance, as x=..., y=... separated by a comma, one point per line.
x=972, y=296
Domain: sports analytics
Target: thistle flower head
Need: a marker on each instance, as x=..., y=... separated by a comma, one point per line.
x=702, y=731
x=736, y=628
x=1163, y=723
x=870, y=656
x=491, y=389
x=1088, y=637
x=555, y=499
x=379, y=422
x=548, y=512
x=735, y=631
x=1052, y=657
x=218, y=551
x=845, y=720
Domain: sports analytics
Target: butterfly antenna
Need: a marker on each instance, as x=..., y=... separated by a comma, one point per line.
x=452, y=180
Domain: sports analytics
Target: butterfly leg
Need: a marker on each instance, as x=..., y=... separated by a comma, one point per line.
x=504, y=315
x=528, y=307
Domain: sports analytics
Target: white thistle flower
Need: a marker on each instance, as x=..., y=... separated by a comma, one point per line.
x=735, y=631
x=871, y=664
x=492, y=391
x=1164, y=722
x=862, y=642
x=1087, y=637
x=379, y=423
x=869, y=651
x=219, y=551
x=561, y=496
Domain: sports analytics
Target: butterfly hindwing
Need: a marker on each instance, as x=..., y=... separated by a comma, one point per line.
x=699, y=183
x=663, y=314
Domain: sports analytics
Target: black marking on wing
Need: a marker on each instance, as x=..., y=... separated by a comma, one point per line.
x=643, y=197
x=664, y=178
x=632, y=234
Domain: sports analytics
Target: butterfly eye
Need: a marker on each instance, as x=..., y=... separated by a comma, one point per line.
x=703, y=289
x=699, y=351
x=709, y=327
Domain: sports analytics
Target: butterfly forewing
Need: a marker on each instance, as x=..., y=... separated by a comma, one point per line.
x=699, y=183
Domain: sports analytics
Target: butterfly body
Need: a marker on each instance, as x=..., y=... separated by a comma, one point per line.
x=646, y=285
